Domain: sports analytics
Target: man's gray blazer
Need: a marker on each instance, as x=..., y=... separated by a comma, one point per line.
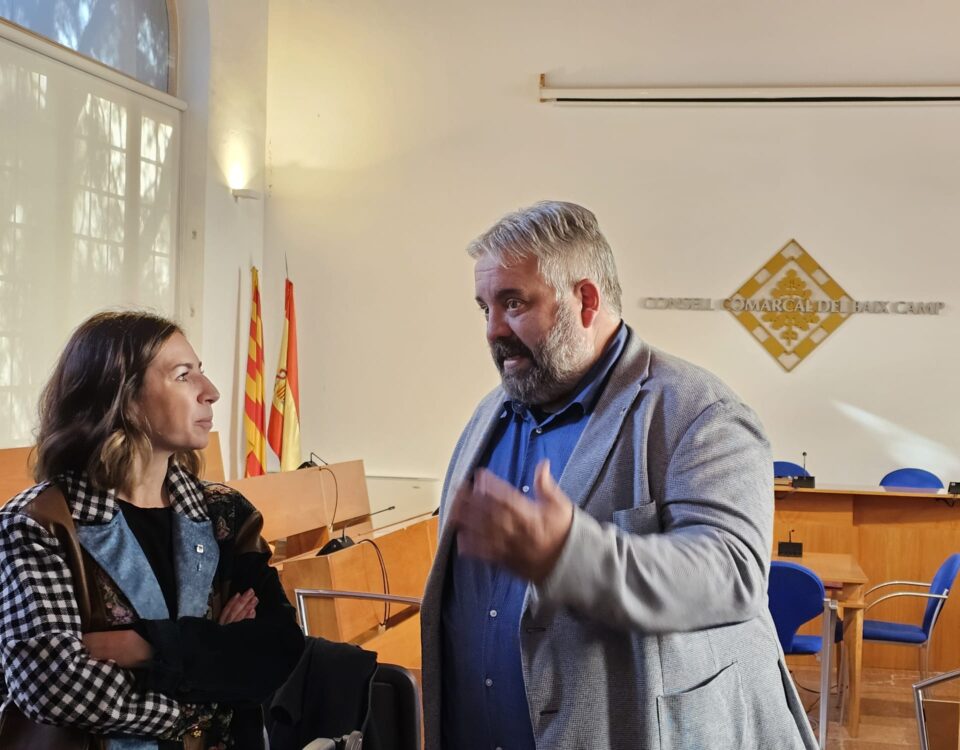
x=652, y=631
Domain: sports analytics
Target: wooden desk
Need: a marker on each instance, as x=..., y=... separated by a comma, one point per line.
x=399, y=645
x=407, y=556
x=894, y=534
x=845, y=579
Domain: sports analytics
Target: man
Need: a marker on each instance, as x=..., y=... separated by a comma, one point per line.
x=606, y=529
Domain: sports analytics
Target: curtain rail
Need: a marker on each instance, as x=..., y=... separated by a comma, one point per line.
x=749, y=94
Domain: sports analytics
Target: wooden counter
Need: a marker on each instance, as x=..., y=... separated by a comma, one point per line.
x=895, y=534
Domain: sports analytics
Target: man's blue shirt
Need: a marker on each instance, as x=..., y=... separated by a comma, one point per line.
x=484, y=700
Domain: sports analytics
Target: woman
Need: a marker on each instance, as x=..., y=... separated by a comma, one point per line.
x=138, y=609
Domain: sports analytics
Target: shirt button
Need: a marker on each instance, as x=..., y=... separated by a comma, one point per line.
x=488, y=682
x=493, y=613
x=539, y=430
x=525, y=488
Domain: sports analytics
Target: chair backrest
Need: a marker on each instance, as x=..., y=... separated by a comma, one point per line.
x=789, y=469
x=395, y=711
x=913, y=478
x=795, y=596
x=941, y=584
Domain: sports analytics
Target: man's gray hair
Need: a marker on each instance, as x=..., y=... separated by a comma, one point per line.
x=566, y=241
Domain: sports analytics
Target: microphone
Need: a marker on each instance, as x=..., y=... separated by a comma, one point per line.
x=790, y=548
x=807, y=480
x=343, y=541
x=336, y=544
x=310, y=463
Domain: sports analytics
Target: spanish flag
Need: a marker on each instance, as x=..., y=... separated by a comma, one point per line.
x=253, y=408
x=284, y=431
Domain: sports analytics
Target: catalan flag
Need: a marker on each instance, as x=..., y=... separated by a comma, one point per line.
x=284, y=431
x=253, y=409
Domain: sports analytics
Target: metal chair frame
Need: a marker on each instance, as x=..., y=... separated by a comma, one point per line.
x=918, y=689
x=829, y=629
x=831, y=615
x=303, y=594
x=924, y=648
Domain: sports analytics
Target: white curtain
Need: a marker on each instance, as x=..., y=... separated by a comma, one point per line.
x=88, y=214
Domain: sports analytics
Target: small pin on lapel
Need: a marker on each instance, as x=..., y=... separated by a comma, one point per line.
x=200, y=549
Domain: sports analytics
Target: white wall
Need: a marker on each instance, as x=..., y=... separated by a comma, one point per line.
x=223, y=80
x=397, y=132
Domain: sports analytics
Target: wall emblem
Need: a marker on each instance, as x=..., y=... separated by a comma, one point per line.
x=790, y=305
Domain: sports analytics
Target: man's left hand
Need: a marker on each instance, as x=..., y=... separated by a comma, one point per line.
x=496, y=523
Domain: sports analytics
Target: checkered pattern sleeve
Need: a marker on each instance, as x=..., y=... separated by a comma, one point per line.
x=48, y=673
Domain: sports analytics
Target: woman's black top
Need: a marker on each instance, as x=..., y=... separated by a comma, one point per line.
x=153, y=528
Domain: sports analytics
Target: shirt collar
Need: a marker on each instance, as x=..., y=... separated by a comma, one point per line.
x=588, y=389
x=90, y=504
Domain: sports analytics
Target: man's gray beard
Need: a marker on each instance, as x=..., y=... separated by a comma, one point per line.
x=558, y=363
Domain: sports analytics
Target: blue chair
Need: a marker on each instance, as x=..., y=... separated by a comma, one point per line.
x=912, y=478
x=796, y=596
x=789, y=469
x=906, y=634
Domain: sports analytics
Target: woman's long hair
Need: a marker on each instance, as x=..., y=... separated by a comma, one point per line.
x=89, y=418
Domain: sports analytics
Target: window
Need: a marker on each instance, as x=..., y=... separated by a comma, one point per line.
x=131, y=36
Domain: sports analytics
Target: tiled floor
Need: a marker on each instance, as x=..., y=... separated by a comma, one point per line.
x=887, y=716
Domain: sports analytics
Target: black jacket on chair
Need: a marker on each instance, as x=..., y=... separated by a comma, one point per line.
x=327, y=695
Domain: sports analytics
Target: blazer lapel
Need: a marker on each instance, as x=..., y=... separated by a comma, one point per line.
x=196, y=554
x=117, y=551
x=474, y=442
x=606, y=422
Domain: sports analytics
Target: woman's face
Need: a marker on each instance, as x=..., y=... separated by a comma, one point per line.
x=177, y=399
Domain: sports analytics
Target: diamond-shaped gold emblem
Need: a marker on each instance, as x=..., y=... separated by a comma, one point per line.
x=790, y=305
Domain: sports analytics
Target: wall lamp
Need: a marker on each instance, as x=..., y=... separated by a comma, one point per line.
x=239, y=193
